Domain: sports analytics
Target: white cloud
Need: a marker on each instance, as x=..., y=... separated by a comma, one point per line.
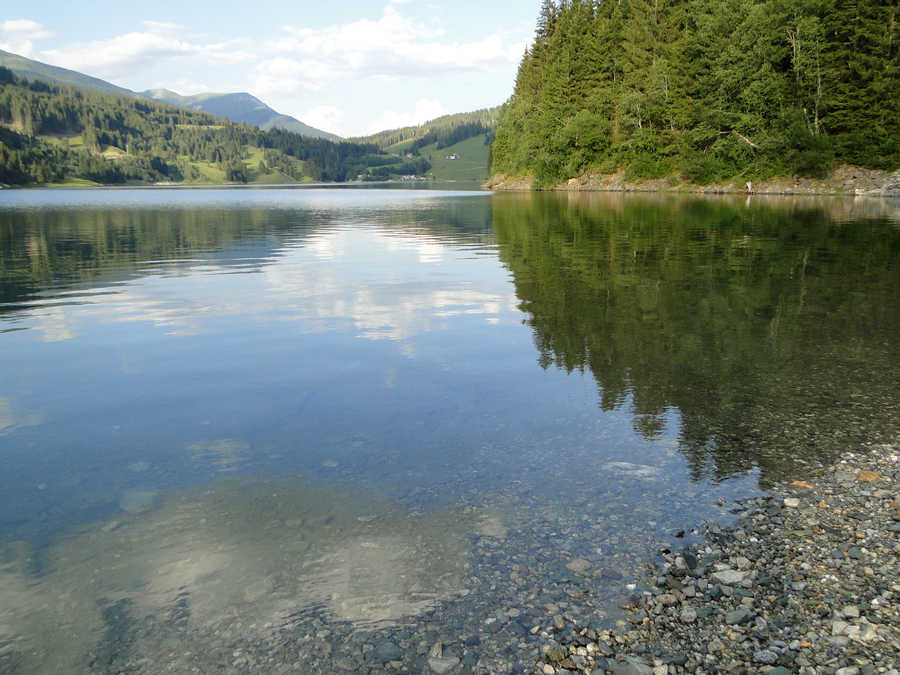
x=18, y=35
x=339, y=73
x=392, y=47
x=25, y=27
x=182, y=85
x=119, y=54
x=426, y=109
x=284, y=75
x=158, y=41
x=325, y=117
x=163, y=26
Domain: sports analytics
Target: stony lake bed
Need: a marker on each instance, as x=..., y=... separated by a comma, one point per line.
x=805, y=581
x=312, y=430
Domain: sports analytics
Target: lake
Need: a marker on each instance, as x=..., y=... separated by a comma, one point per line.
x=320, y=429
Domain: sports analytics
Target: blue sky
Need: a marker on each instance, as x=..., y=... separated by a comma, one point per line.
x=346, y=66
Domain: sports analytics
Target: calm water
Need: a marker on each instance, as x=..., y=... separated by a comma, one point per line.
x=300, y=422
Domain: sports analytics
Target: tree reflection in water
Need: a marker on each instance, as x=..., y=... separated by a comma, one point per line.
x=770, y=325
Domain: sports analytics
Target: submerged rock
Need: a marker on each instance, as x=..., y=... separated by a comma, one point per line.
x=386, y=650
x=738, y=616
x=443, y=664
x=688, y=615
x=579, y=565
x=631, y=667
x=644, y=471
x=137, y=500
x=729, y=577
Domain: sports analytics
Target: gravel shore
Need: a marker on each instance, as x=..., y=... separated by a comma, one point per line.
x=844, y=180
x=805, y=581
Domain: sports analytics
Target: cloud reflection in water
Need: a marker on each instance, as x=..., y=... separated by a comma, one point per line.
x=239, y=556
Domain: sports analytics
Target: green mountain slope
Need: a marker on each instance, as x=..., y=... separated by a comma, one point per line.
x=35, y=70
x=704, y=90
x=58, y=134
x=457, y=147
x=239, y=107
x=438, y=127
x=466, y=161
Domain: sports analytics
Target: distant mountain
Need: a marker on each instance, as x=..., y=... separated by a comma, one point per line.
x=35, y=70
x=240, y=107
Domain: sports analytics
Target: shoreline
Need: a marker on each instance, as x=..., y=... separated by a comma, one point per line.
x=846, y=181
x=807, y=580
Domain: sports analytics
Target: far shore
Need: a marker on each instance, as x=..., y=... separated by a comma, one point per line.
x=845, y=181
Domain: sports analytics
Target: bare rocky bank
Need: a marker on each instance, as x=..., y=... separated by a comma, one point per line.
x=806, y=581
x=845, y=180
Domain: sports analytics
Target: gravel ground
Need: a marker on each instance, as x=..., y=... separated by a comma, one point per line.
x=805, y=581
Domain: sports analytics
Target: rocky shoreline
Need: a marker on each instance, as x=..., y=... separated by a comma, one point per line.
x=845, y=180
x=805, y=581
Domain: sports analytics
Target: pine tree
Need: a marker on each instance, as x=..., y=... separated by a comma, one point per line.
x=546, y=22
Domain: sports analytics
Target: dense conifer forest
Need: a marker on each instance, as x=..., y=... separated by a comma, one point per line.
x=52, y=134
x=705, y=90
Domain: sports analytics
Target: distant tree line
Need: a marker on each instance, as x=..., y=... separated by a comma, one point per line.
x=708, y=89
x=459, y=126
x=447, y=136
x=129, y=139
x=415, y=167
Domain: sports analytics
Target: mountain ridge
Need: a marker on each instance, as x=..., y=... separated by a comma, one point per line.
x=235, y=106
x=36, y=70
x=239, y=107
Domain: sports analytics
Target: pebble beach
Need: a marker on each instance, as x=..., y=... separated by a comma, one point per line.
x=804, y=581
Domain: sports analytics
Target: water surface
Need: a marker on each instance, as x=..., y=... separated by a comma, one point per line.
x=300, y=423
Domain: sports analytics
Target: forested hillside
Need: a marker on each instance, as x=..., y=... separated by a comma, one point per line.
x=445, y=131
x=53, y=134
x=706, y=90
